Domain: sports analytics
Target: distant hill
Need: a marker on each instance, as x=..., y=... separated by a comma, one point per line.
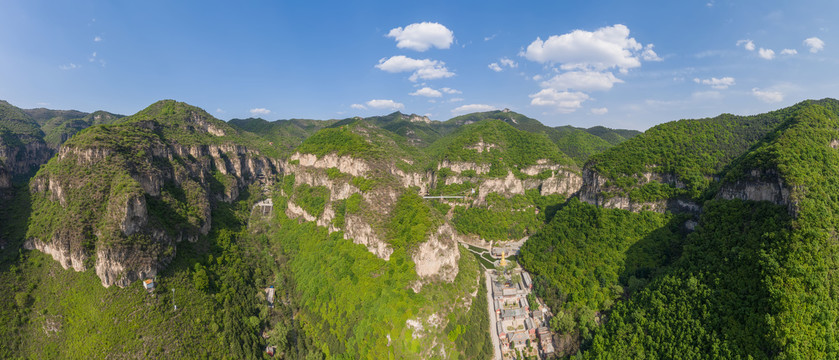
x=499, y=144
x=577, y=143
x=283, y=134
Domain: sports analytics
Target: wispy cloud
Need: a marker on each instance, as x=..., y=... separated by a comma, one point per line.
x=260, y=111
x=97, y=39
x=69, y=66
x=721, y=83
x=768, y=96
x=465, y=109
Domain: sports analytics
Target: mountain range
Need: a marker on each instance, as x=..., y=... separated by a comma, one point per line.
x=696, y=238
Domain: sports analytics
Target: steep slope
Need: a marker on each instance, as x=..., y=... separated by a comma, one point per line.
x=378, y=268
x=22, y=146
x=758, y=276
x=672, y=164
x=60, y=125
x=127, y=193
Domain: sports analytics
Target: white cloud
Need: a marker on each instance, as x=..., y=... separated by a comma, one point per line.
x=450, y=91
x=69, y=66
x=219, y=110
x=508, y=63
x=789, y=52
x=422, y=36
x=562, y=101
x=649, y=54
x=747, y=44
x=537, y=77
x=97, y=39
x=768, y=96
x=767, y=54
x=427, y=92
x=599, y=111
x=607, y=47
x=358, y=106
x=488, y=38
x=455, y=99
x=465, y=109
x=582, y=80
x=503, y=62
x=260, y=111
x=721, y=83
x=815, y=44
x=385, y=104
x=425, y=69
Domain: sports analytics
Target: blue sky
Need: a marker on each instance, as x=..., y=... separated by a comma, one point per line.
x=622, y=64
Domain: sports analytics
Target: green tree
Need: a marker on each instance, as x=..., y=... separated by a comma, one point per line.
x=562, y=322
x=200, y=278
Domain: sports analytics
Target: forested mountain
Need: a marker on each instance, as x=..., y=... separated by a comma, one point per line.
x=698, y=238
x=578, y=143
x=283, y=134
x=752, y=278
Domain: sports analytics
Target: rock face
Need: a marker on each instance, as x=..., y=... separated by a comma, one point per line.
x=346, y=164
x=21, y=158
x=595, y=191
x=437, y=257
x=63, y=249
x=759, y=185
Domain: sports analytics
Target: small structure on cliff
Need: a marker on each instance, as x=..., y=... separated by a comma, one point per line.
x=148, y=284
x=269, y=295
x=265, y=206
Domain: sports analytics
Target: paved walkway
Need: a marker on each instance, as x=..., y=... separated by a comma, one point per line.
x=496, y=347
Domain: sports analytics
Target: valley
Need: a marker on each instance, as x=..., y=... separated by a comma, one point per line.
x=489, y=235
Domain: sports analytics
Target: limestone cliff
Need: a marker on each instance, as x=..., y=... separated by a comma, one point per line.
x=119, y=198
x=760, y=185
x=598, y=190
x=435, y=258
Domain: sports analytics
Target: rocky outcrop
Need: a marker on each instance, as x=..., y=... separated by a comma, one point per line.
x=128, y=245
x=5, y=178
x=461, y=166
x=64, y=249
x=562, y=182
x=760, y=185
x=361, y=232
x=437, y=258
x=419, y=119
x=345, y=164
x=121, y=265
x=595, y=191
x=22, y=157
